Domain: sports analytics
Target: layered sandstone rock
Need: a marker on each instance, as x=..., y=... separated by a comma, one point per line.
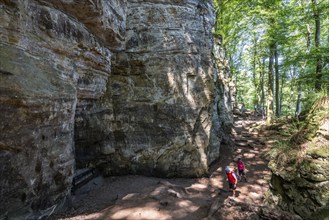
x=162, y=94
x=53, y=68
x=124, y=86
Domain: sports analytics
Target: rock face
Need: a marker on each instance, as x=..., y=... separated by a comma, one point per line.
x=301, y=185
x=160, y=94
x=124, y=86
x=53, y=69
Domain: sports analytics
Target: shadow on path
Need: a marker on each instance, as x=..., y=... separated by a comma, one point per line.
x=138, y=197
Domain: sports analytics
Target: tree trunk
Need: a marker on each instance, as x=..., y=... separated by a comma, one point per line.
x=254, y=75
x=262, y=99
x=299, y=101
x=270, y=86
x=317, y=34
x=281, y=90
x=277, y=83
x=309, y=38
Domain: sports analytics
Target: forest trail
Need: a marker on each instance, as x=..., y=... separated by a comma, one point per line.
x=138, y=197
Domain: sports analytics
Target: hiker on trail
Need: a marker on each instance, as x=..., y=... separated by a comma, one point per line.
x=241, y=169
x=231, y=179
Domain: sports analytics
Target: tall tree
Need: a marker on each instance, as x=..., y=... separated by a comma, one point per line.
x=317, y=35
x=249, y=28
x=262, y=86
x=254, y=73
x=277, y=82
x=299, y=101
x=270, y=85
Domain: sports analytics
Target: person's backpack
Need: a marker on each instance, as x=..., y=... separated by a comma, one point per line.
x=236, y=177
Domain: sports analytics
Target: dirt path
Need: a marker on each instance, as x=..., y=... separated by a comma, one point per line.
x=138, y=197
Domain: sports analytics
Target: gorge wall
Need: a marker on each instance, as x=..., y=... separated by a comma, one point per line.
x=123, y=86
x=158, y=108
x=55, y=61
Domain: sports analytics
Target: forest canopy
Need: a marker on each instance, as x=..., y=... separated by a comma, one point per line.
x=278, y=51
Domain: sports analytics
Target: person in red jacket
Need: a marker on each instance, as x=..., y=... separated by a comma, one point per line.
x=241, y=169
x=231, y=179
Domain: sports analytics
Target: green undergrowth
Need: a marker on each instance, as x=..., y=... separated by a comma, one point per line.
x=303, y=137
x=322, y=214
x=285, y=154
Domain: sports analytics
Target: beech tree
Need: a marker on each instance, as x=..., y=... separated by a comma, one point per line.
x=317, y=34
x=276, y=51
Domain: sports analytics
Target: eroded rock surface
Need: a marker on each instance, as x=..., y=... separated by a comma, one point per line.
x=161, y=94
x=123, y=86
x=52, y=68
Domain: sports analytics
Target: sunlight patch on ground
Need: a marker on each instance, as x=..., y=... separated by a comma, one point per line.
x=255, y=188
x=261, y=173
x=262, y=182
x=244, y=194
x=259, y=163
x=139, y=213
x=217, y=181
x=249, y=155
x=157, y=191
x=187, y=205
x=255, y=196
x=239, y=150
x=86, y=217
x=198, y=186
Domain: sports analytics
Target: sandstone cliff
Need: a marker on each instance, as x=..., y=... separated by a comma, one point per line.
x=158, y=108
x=123, y=86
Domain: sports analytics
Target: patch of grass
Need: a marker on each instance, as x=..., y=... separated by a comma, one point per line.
x=291, y=128
x=303, y=139
x=278, y=148
x=285, y=154
x=318, y=112
x=315, y=100
x=319, y=152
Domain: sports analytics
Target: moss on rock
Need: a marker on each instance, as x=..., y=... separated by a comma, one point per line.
x=319, y=152
x=302, y=166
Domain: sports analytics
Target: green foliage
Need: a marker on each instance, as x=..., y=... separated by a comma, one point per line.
x=249, y=28
x=322, y=214
x=313, y=100
x=283, y=154
x=307, y=139
x=279, y=148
